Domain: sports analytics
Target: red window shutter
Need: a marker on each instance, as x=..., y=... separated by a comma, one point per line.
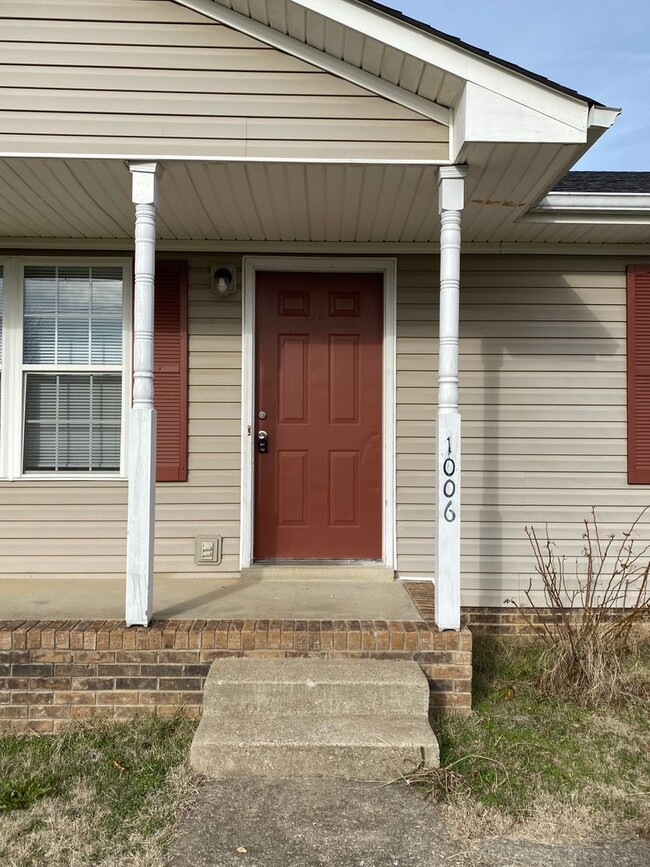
x=638, y=374
x=170, y=371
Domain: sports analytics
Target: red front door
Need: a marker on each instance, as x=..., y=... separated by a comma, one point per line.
x=319, y=350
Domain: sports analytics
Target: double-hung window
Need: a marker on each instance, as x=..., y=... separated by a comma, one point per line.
x=68, y=369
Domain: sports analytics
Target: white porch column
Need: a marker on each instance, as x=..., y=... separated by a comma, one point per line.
x=142, y=430
x=451, y=185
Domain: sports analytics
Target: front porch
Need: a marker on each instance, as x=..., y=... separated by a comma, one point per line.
x=57, y=671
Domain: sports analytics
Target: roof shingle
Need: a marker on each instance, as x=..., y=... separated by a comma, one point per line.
x=604, y=182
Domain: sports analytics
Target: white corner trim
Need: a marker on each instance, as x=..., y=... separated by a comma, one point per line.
x=386, y=267
x=328, y=63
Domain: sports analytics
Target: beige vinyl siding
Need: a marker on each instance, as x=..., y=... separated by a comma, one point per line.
x=151, y=78
x=543, y=398
x=543, y=401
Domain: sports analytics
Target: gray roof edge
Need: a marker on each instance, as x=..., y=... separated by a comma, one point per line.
x=604, y=182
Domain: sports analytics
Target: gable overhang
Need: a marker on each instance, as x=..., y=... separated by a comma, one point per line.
x=481, y=99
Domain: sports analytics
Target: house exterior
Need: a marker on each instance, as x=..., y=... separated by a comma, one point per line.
x=235, y=306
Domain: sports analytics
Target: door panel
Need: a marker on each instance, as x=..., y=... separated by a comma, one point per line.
x=319, y=363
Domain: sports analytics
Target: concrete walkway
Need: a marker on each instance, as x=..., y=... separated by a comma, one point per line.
x=255, y=823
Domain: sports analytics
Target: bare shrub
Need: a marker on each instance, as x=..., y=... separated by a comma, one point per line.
x=595, y=602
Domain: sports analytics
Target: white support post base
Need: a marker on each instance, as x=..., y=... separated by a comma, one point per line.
x=141, y=520
x=448, y=521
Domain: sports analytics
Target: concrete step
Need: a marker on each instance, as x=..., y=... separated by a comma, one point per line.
x=318, y=572
x=291, y=687
x=355, y=719
x=355, y=748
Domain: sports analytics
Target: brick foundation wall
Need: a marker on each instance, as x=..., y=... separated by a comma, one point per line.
x=52, y=673
x=509, y=622
x=505, y=622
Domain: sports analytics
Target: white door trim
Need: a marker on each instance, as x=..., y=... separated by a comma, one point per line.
x=388, y=269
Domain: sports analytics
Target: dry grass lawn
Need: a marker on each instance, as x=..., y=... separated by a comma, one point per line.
x=532, y=767
x=101, y=794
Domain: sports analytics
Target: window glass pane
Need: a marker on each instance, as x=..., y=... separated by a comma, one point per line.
x=107, y=292
x=72, y=341
x=73, y=448
x=72, y=422
x=40, y=290
x=107, y=399
x=40, y=447
x=74, y=291
x=39, y=339
x=41, y=399
x=106, y=340
x=74, y=398
x=73, y=315
x=106, y=448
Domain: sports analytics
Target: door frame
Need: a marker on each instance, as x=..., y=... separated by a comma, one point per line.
x=388, y=269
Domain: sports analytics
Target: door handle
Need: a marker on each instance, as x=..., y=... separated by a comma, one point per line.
x=262, y=442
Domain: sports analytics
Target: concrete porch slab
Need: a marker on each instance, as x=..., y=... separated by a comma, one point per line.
x=209, y=599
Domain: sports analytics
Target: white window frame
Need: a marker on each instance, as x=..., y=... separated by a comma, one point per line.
x=12, y=400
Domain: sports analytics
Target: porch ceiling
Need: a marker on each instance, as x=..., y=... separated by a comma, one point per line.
x=221, y=201
x=208, y=202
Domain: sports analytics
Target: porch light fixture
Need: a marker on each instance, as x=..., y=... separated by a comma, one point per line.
x=222, y=281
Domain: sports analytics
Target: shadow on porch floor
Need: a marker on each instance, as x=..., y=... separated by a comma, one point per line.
x=210, y=599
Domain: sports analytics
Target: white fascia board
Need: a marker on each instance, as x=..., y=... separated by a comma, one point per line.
x=598, y=201
x=601, y=208
x=374, y=84
x=488, y=117
x=454, y=59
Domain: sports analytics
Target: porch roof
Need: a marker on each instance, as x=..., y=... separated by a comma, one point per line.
x=517, y=133
x=70, y=203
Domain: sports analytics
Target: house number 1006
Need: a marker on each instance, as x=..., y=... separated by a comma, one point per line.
x=449, y=487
